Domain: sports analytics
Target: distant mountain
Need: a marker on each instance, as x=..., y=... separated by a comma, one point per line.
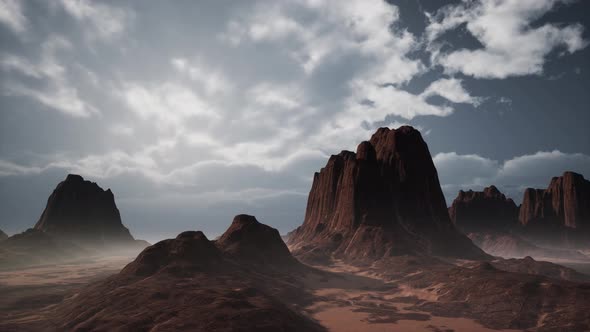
x=82, y=212
x=193, y=284
x=491, y=220
x=34, y=247
x=480, y=210
x=560, y=213
x=383, y=200
x=80, y=220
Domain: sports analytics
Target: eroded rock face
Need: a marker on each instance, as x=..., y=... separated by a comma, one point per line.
x=563, y=209
x=483, y=210
x=82, y=212
x=385, y=199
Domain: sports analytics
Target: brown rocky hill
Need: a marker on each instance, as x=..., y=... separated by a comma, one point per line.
x=383, y=200
x=248, y=240
x=193, y=284
x=483, y=210
x=559, y=213
x=82, y=212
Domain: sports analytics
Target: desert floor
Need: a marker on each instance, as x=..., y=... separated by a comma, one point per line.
x=355, y=301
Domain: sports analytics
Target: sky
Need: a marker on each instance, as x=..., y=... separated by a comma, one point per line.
x=195, y=111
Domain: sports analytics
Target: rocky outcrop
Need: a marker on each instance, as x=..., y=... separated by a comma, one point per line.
x=82, y=212
x=383, y=200
x=560, y=211
x=190, y=283
x=189, y=252
x=483, y=210
x=3, y=235
x=248, y=240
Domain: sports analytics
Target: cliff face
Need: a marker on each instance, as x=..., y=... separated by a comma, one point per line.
x=82, y=212
x=483, y=210
x=564, y=205
x=385, y=199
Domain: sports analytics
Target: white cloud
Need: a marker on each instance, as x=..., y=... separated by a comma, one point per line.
x=274, y=95
x=11, y=15
x=357, y=27
x=170, y=104
x=452, y=90
x=511, y=45
x=55, y=91
x=212, y=81
x=105, y=21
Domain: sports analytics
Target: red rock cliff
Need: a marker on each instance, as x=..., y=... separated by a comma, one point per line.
x=385, y=199
x=565, y=203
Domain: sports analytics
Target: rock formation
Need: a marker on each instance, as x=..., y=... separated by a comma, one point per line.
x=560, y=212
x=3, y=235
x=383, y=200
x=80, y=211
x=249, y=240
x=193, y=284
x=483, y=210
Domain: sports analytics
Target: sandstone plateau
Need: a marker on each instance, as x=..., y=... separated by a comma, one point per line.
x=383, y=200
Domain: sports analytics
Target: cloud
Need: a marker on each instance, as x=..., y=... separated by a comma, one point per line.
x=169, y=104
x=338, y=28
x=512, y=45
x=452, y=90
x=105, y=21
x=11, y=15
x=53, y=88
x=212, y=82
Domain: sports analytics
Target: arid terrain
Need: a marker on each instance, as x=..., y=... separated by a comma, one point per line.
x=339, y=297
x=378, y=250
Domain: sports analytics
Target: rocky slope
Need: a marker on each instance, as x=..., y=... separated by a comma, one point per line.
x=82, y=212
x=559, y=214
x=193, y=284
x=247, y=240
x=383, y=200
x=483, y=210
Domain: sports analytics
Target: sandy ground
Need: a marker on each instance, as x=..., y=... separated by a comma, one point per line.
x=362, y=302
x=24, y=291
x=354, y=300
